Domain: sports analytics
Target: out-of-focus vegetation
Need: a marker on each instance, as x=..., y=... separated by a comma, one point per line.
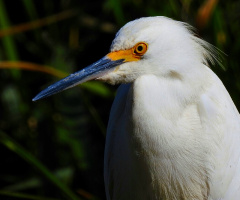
x=53, y=148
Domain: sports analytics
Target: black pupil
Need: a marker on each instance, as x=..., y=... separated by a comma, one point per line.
x=139, y=48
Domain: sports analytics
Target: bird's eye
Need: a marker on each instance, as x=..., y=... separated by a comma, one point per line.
x=140, y=48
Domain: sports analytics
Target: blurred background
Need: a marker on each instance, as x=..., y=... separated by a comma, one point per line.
x=53, y=148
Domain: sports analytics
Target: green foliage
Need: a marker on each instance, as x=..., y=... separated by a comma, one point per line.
x=53, y=149
x=8, y=42
x=13, y=146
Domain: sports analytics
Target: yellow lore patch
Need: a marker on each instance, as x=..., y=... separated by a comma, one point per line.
x=133, y=54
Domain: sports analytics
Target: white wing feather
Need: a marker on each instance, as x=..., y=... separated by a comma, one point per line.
x=213, y=113
x=117, y=112
x=221, y=119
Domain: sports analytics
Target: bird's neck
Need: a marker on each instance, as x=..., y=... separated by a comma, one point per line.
x=157, y=109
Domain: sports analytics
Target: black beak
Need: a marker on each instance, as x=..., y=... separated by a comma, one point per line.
x=93, y=71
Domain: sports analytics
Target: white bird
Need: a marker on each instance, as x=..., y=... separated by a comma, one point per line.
x=174, y=131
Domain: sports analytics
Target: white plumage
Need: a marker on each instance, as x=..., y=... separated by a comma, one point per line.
x=173, y=132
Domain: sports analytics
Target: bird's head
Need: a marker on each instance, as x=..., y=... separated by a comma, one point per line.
x=151, y=45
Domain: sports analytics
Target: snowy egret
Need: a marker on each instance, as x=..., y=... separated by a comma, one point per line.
x=173, y=132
